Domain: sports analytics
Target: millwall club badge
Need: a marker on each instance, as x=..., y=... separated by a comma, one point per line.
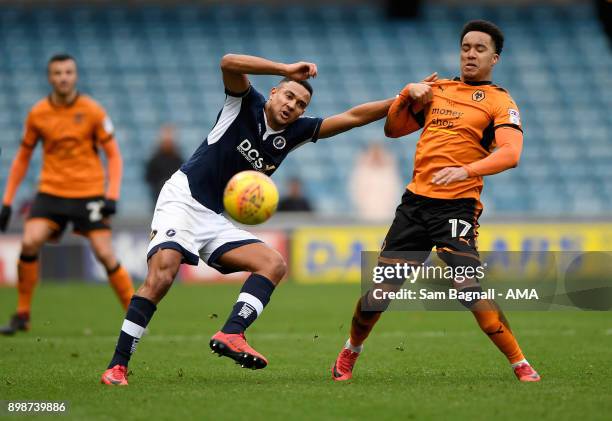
x=279, y=142
x=478, y=95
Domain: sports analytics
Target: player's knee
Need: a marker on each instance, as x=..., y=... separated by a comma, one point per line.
x=278, y=268
x=470, y=296
x=30, y=246
x=273, y=266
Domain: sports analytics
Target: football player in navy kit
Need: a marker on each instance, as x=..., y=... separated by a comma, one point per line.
x=251, y=132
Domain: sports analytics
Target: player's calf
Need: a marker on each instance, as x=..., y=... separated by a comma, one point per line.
x=163, y=267
x=106, y=257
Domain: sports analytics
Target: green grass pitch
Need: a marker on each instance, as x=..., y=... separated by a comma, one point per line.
x=416, y=365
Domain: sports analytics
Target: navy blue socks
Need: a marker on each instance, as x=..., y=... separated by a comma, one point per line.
x=254, y=296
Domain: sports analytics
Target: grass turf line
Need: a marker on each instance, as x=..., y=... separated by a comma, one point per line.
x=416, y=365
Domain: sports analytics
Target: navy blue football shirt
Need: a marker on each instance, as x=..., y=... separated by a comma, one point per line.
x=241, y=140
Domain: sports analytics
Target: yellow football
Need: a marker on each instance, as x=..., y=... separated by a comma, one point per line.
x=250, y=197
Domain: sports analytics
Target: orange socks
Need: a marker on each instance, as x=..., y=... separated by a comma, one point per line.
x=495, y=325
x=27, y=272
x=362, y=324
x=490, y=318
x=121, y=282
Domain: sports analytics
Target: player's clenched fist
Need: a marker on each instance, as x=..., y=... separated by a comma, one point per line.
x=301, y=70
x=421, y=92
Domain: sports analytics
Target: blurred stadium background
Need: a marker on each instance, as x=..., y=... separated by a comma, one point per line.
x=153, y=63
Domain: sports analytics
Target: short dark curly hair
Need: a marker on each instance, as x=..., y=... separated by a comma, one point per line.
x=304, y=83
x=488, y=28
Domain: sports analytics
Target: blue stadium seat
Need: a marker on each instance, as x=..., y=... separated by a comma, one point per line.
x=154, y=65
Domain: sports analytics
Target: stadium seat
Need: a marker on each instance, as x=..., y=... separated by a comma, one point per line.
x=153, y=65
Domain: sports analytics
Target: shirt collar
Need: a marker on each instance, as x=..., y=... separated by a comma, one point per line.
x=269, y=131
x=479, y=83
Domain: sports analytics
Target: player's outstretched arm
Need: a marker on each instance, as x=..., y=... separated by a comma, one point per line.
x=115, y=172
x=412, y=99
x=357, y=116
x=507, y=155
x=19, y=169
x=236, y=67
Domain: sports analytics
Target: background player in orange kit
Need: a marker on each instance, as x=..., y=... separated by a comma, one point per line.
x=72, y=128
x=464, y=120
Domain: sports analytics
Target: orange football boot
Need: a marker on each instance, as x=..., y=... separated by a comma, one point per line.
x=343, y=367
x=235, y=346
x=116, y=375
x=525, y=373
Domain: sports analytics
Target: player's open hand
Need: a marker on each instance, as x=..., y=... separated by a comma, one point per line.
x=449, y=175
x=301, y=70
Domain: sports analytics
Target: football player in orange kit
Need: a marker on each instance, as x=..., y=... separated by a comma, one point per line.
x=72, y=128
x=464, y=120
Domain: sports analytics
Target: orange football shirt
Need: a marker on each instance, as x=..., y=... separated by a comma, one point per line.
x=70, y=136
x=458, y=129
